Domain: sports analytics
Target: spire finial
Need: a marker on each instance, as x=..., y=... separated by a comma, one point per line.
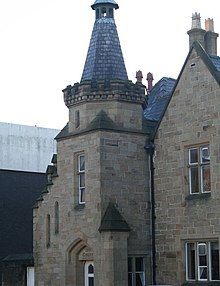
x=104, y=8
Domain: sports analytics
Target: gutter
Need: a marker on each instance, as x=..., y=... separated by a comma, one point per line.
x=150, y=148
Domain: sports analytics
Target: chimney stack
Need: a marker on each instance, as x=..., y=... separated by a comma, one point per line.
x=196, y=33
x=210, y=37
x=207, y=37
x=139, y=76
x=150, y=81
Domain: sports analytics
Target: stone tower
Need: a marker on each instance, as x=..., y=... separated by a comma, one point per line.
x=92, y=222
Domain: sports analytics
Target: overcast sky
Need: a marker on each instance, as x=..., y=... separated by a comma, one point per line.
x=44, y=45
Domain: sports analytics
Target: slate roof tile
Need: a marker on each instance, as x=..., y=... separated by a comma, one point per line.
x=104, y=58
x=158, y=98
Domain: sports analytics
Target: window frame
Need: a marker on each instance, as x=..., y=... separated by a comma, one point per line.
x=81, y=179
x=57, y=217
x=196, y=264
x=48, y=230
x=198, y=163
x=133, y=272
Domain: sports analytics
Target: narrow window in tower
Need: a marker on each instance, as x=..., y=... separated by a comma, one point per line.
x=81, y=178
x=48, y=230
x=77, y=119
x=56, y=217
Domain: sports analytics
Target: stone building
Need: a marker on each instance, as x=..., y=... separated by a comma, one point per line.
x=93, y=224
x=133, y=196
x=187, y=166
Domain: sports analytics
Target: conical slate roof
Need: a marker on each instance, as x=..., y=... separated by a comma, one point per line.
x=104, y=58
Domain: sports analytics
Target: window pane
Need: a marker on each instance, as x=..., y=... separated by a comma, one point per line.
x=130, y=278
x=82, y=195
x=81, y=163
x=190, y=261
x=139, y=264
x=91, y=281
x=129, y=264
x=205, y=178
x=140, y=279
x=193, y=156
x=194, y=180
x=203, y=273
x=82, y=180
x=205, y=154
x=214, y=261
x=90, y=269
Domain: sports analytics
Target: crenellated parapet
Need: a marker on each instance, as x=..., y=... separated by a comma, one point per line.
x=118, y=90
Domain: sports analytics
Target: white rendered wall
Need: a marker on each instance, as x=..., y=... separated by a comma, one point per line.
x=26, y=148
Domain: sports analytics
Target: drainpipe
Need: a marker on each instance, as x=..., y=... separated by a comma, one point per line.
x=150, y=151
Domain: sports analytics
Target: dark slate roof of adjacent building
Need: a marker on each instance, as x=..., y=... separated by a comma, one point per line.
x=104, y=58
x=18, y=193
x=158, y=98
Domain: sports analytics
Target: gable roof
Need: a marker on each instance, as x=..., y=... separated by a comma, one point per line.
x=213, y=65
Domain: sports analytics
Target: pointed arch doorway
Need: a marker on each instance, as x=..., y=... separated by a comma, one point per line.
x=89, y=273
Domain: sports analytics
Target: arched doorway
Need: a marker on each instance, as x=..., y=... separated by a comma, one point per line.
x=89, y=273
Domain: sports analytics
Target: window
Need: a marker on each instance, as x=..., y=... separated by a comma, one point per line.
x=199, y=169
x=202, y=261
x=48, y=231
x=136, y=273
x=56, y=217
x=89, y=273
x=77, y=119
x=81, y=178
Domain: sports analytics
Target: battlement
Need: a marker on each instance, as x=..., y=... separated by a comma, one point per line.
x=105, y=90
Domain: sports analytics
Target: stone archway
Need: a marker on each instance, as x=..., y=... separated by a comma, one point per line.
x=76, y=256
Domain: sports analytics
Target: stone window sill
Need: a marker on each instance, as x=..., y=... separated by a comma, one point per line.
x=198, y=197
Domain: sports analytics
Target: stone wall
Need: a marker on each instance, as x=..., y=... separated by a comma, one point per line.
x=192, y=117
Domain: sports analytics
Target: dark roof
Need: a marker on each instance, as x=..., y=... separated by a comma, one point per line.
x=111, y=2
x=113, y=220
x=19, y=257
x=104, y=58
x=18, y=193
x=158, y=97
x=216, y=61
